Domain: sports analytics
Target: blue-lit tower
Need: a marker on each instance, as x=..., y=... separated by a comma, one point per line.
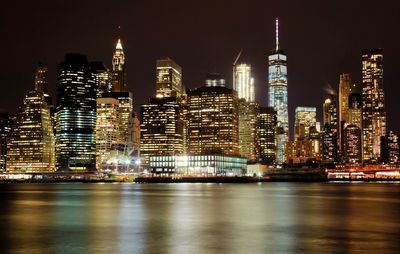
x=76, y=115
x=278, y=96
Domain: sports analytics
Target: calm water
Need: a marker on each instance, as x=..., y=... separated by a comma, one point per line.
x=200, y=218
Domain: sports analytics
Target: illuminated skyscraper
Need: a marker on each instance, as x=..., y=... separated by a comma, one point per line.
x=213, y=119
x=125, y=102
x=373, y=104
x=169, y=78
x=5, y=125
x=305, y=117
x=103, y=78
x=244, y=82
x=161, y=128
x=390, y=148
x=278, y=96
x=267, y=125
x=355, y=110
x=118, y=69
x=352, y=144
x=107, y=130
x=329, y=132
x=248, y=130
x=75, y=114
x=344, y=92
x=31, y=142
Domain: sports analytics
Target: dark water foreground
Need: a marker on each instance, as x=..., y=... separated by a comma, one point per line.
x=200, y=218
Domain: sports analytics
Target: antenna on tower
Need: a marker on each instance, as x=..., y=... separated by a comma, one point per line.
x=276, y=34
x=234, y=69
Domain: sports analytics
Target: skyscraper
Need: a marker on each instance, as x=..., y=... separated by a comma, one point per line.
x=244, y=82
x=248, y=130
x=390, y=147
x=373, y=103
x=344, y=92
x=118, y=69
x=169, y=78
x=161, y=130
x=267, y=125
x=75, y=114
x=305, y=117
x=31, y=141
x=107, y=130
x=103, y=78
x=5, y=124
x=278, y=95
x=352, y=144
x=355, y=110
x=124, y=147
x=330, y=129
x=213, y=119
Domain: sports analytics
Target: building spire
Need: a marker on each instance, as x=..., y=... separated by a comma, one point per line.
x=276, y=34
x=119, y=44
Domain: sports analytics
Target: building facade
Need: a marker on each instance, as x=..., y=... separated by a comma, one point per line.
x=244, y=82
x=249, y=145
x=30, y=146
x=213, y=119
x=107, y=131
x=75, y=115
x=352, y=152
x=278, y=96
x=118, y=72
x=267, y=126
x=373, y=104
x=168, y=78
x=161, y=129
x=5, y=127
x=305, y=117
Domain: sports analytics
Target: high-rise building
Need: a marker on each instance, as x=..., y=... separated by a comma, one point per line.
x=355, y=110
x=352, y=144
x=248, y=130
x=136, y=133
x=169, y=78
x=76, y=115
x=373, y=104
x=30, y=146
x=244, y=82
x=267, y=125
x=390, y=147
x=330, y=129
x=5, y=127
x=329, y=144
x=305, y=117
x=330, y=115
x=103, y=78
x=344, y=92
x=278, y=96
x=213, y=119
x=107, y=130
x=161, y=130
x=118, y=69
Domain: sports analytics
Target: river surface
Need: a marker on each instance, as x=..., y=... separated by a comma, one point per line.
x=200, y=218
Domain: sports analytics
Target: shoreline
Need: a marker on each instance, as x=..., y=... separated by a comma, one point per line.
x=238, y=180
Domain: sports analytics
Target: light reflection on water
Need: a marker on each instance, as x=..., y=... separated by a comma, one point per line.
x=200, y=218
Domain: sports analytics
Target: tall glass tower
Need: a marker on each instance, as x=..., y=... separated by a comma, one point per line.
x=75, y=115
x=278, y=96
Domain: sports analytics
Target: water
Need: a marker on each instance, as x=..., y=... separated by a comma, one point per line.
x=200, y=218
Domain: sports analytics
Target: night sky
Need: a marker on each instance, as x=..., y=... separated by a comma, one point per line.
x=321, y=40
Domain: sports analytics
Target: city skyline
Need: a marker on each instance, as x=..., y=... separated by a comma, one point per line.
x=318, y=54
